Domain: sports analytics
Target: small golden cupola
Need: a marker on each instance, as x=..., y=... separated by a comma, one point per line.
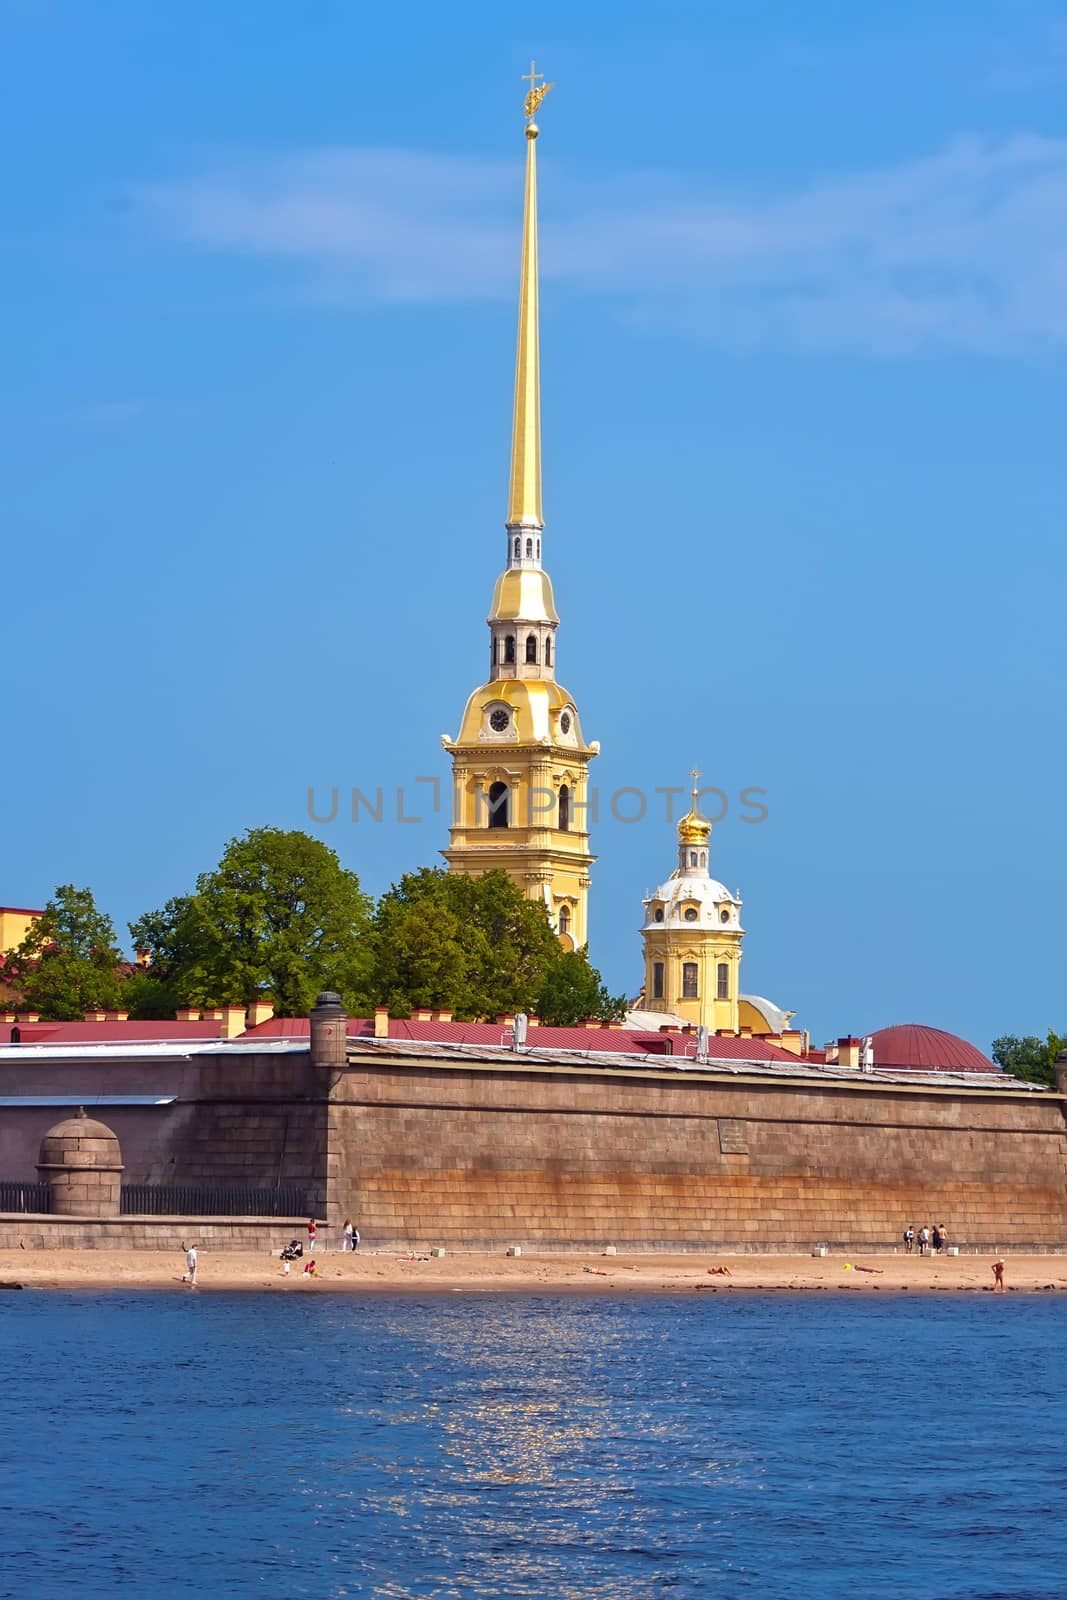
x=520, y=761
x=692, y=935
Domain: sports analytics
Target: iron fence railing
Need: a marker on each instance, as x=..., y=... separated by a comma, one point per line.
x=209, y=1200
x=25, y=1196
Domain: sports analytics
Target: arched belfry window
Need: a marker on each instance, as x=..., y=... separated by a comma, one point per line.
x=499, y=805
x=529, y=549
x=518, y=547
x=496, y=651
x=564, y=807
x=548, y=651
x=509, y=647
x=564, y=920
x=531, y=649
x=538, y=549
x=722, y=981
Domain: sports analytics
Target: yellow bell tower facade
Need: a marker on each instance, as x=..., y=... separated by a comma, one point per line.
x=520, y=763
x=692, y=936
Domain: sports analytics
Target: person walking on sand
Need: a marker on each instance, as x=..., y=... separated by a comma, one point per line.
x=909, y=1239
x=311, y=1236
x=189, y=1275
x=355, y=1237
x=998, y=1275
x=937, y=1240
x=924, y=1239
x=346, y=1236
x=944, y=1237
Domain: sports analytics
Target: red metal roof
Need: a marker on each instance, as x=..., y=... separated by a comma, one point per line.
x=109, y=1032
x=621, y=1041
x=912, y=1047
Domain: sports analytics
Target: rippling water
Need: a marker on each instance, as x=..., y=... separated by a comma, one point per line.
x=507, y=1446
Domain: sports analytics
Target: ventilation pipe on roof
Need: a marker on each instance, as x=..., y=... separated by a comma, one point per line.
x=702, y=1044
x=518, y=1031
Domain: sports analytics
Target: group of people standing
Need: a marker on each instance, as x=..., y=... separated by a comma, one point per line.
x=933, y=1239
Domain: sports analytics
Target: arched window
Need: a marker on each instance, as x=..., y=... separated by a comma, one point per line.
x=509, y=647
x=538, y=549
x=529, y=549
x=659, y=914
x=496, y=650
x=692, y=858
x=703, y=858
x=531, y=649
x=548, y=651
x=499, y=805
x=564, y=807
x=564, y=920
x=518, y=547
x=689, y=980
x=657, y=980
x=722, y=981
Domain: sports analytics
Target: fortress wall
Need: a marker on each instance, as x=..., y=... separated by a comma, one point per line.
x=253, y=1119
x=426, y=1154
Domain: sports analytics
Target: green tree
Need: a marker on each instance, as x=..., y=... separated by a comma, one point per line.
x=68, y=963
x=1030, y=1058
x=573, y=992
x=474, y=945
x=279, y=915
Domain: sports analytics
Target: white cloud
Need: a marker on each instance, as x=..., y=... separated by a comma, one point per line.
x=963, y=248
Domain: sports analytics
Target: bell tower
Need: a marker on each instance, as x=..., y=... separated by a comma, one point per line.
x=520, y=762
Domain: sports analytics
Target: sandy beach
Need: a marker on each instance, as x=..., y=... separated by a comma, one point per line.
x=368, y=1272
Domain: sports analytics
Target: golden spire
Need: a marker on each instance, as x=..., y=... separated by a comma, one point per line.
x=524, y=494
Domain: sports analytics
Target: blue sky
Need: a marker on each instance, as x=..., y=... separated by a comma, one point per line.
x=804, y=317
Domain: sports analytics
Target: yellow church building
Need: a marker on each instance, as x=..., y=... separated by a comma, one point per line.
x=520, y=761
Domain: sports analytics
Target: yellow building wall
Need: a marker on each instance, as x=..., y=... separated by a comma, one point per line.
x=707, y=948
x=14, y=926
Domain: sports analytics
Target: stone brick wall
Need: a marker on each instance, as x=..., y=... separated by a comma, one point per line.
x=426, y=1154
x=150, y=1233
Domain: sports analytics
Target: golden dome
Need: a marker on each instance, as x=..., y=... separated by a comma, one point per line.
x=694, y=828
x=523, y=594
x=538, y=708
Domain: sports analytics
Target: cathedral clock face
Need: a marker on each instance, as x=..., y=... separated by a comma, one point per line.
x=498, y=720
x=565, y=722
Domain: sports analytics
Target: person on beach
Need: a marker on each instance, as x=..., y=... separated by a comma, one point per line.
x=346, y=1236
x=944, y=1237
x=189, y=1275
x=936, y=1240
x=311, y=1238
x=310, y=1269
x=998, y=1275
x=924, y=1239
x=355, y=1238
x=909, y=1239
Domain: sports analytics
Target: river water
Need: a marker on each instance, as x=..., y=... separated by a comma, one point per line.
x=492, y=1445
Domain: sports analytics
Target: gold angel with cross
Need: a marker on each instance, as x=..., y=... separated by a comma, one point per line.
x=537, y=91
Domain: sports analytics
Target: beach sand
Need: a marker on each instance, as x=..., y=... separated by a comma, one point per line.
x=368, y=1271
